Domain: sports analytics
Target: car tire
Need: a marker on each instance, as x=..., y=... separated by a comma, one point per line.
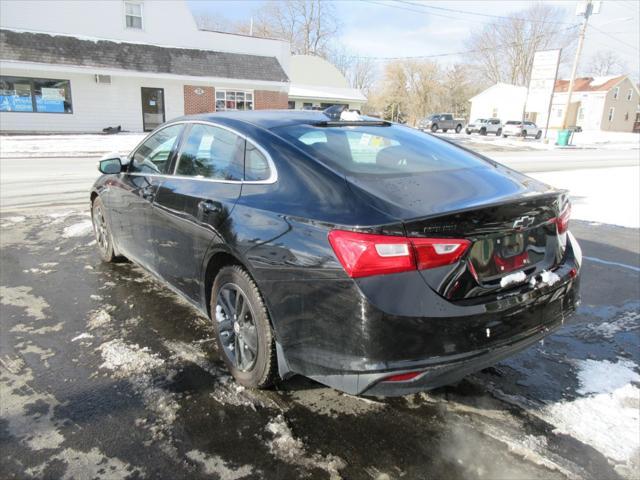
x=468, y=132
x=498, y=132
x=538, y=135
x=444, y=130
x=434, y=128
x=483, y=131
x=252, y=334
x=102, y=231
x=524, y=134
x=458, y=128
x=504, y=136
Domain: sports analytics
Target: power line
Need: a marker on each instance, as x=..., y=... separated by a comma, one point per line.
x=463, y=52
x=402, y=7
x=487, y=15
x=614, y=38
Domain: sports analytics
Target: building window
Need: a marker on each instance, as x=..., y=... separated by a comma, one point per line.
x=233, y=100
x=626, y=117
x=133, y=14
x=611, y=110
x=616, y=92
x=291, y=105
x=630, y=94
x=307, y=106
x=581, y=113
x=40, y=95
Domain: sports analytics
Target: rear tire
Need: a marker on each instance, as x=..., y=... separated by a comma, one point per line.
x=468, y=132
x=524, y=134
x=243, y=331
x=483, y=131
x=434, y=128
x=538, y=135
x=499, y=132
x=458, y=128
x=102, y=231
x=504, y=136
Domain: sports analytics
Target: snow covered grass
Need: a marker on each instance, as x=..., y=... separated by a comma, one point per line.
x=603, y=195
x=67, y=145
x=608, y=416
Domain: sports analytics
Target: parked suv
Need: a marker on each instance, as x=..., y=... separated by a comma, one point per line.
x=484, y=126
x=441, y=121
x=521, y=129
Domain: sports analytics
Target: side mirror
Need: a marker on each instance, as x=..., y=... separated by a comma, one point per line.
x=110, y=165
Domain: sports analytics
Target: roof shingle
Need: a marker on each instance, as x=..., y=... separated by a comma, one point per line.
x=68, y=50
x=587, y=84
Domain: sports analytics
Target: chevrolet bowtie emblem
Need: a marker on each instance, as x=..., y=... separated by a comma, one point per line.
x=523, y=222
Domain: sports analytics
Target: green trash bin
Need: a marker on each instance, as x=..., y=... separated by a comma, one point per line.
x=563, y=138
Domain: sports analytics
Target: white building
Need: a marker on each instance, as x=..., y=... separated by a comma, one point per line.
x=502, y=101
x=316, y=83
x=81, y=66
x=605, y=103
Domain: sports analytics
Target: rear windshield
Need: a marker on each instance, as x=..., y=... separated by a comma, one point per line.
x=480, y=120
x=513, y=122
x=378, y=150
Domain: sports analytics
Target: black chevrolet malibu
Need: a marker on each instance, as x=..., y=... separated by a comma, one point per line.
x=365, y=255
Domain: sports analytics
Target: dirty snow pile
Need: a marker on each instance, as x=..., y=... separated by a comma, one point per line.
x=290, y=449
x=607, y=417
x=126, y=360
x=79, y=229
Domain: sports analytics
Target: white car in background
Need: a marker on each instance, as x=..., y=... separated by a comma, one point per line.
x=516, y=128
x=484, y=126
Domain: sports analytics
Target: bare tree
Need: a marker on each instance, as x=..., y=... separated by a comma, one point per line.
x=309, y=25
x=360, y=72
x=207, y=21
x=503, y=51
x=605, y=62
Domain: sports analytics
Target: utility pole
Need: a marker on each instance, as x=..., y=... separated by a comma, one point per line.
x=589, y=7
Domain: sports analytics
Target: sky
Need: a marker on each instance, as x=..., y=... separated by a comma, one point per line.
x=387, y=28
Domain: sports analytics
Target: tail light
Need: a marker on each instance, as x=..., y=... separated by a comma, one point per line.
x=403, y=377
x=365, y=254
x=562, y=221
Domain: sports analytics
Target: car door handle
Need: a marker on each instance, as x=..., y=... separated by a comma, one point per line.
x=148, y=193
x=209, y=206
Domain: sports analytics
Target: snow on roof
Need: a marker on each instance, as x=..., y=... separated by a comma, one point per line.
x=599, y=81
x=590, y=84
x=329, y=93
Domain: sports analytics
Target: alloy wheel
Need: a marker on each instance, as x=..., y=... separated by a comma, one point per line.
x=236, y=326
x=101, y=230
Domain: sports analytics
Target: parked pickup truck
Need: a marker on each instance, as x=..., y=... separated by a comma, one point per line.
x=441, y=121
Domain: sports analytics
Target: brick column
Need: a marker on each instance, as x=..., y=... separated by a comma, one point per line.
x=199, y=99
x=266, y=99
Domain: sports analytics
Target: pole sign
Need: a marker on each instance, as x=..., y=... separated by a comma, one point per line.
x=542, y=82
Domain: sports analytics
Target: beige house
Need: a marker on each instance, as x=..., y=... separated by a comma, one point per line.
x=601, y=103
x=317, y=84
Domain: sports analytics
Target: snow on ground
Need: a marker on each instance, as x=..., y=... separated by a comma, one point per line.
x=79, y=229
x=603, y=195
x=588, y=139
x=608, y=416
x=84, y=145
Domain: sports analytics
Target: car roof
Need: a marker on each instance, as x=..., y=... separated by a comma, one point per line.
x=267, y=119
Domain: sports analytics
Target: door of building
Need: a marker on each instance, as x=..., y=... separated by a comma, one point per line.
x=152, y=108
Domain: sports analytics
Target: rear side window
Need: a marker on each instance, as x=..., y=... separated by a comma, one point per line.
x=378, y=150
x=211, y=152
x=154, y=155
x=256, y=167
x=513, y=122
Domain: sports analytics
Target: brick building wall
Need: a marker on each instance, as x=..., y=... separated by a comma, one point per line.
x=266, y=99
x=199, y=99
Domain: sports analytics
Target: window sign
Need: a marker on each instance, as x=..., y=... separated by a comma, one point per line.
x=23, y=94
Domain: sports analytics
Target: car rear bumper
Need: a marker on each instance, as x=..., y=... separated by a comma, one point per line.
x=351, y=335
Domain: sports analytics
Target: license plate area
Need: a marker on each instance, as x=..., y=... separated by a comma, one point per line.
x=499, y=254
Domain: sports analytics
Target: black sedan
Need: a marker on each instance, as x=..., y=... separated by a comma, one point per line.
x=365, y=255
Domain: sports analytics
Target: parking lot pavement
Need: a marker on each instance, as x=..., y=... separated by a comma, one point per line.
x=104, y=373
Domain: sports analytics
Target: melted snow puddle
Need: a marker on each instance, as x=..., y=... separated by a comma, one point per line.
x=608, y=416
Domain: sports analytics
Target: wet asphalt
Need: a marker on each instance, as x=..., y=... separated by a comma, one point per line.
x=104, y=373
